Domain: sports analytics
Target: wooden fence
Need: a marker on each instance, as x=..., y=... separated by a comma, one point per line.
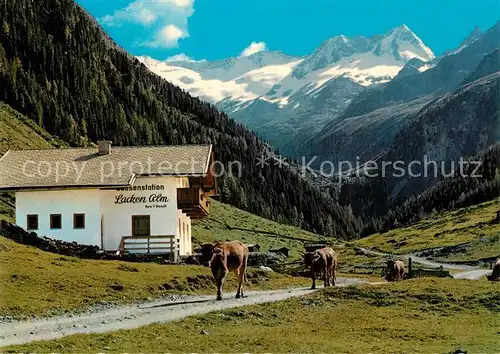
x=420, y=271
x=290, y=268
x=426, y=271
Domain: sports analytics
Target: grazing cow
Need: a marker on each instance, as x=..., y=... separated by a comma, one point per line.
x=395, y=270
x=226, y=257
x=323, y=261
x=495, y=275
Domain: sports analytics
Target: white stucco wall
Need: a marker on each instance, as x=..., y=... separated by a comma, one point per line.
x=115, y=207
x=66, y=203
x=117, y=215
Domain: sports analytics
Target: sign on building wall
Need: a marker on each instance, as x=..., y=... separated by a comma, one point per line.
x=157, y=197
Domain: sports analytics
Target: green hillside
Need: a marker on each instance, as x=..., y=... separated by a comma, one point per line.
x=472, y=224
x=226, y=222
x=19, y=132
x=472, y=227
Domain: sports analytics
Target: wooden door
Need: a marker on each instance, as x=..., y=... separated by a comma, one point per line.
x=141, y=225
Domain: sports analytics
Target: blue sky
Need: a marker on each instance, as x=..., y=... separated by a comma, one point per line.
x=214, y=29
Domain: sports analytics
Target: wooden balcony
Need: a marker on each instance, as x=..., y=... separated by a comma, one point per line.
x=193, y=202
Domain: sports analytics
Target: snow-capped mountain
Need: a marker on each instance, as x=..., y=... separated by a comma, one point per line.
x=398, y=46
x=403, y=45
x=241, y=79
x=366, y=61
x=231, y=68
x=281, y=96
x=376, y=115
x=331, y=51
x=274, y=76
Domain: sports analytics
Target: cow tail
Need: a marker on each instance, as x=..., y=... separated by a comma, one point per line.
x=336, y=270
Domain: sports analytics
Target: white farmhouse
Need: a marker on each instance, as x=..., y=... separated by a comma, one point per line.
x=132, y=199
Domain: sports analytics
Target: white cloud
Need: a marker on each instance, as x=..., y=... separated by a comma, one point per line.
x=253, y=48
x=167, y=37
x=147, y=12
x=179, y=57
x=168, y=17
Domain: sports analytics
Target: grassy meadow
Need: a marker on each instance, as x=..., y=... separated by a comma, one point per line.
x=38, y=283
x=421, y=315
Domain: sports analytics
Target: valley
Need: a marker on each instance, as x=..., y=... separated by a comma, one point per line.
x=326, y=112
x=51, y=284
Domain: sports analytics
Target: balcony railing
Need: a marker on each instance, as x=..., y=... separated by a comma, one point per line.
x=193, y=202
x=158, y=245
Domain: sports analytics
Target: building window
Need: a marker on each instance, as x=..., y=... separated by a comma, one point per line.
x=32, y=222
x=141, y=225
x=55, y=221
x=78, y=221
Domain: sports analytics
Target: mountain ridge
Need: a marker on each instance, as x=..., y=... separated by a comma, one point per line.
x=445, y=130
x=444, y=76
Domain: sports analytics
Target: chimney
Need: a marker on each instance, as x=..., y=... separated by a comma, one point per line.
x=104, y=147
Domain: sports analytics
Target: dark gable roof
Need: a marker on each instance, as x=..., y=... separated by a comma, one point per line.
x=84, y=167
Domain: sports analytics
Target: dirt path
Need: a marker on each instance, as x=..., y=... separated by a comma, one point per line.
x=473, y=274
x=133, y=316
x=467, y=272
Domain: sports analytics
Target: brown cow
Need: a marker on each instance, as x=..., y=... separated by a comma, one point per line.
x=324, y=261
x=229, y=256
x=395, y=270
x=495, y=275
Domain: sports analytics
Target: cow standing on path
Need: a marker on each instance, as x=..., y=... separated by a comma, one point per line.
x=395, y=270
x=324, y=261
x=226, y=257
